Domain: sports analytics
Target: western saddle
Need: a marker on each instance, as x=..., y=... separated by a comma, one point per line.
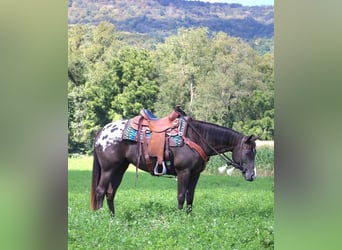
x=156, y=145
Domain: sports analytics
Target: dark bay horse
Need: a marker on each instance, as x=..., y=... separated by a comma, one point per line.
x=112, y=155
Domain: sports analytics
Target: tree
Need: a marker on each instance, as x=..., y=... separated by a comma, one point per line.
x=137, y=83
x=216, y=78
x=257, y=110
x=77, y=65
x=183, y=62
x=78, y=142
x=90, y=49
x=219, y=79
x=231, y=76
x=119, y=89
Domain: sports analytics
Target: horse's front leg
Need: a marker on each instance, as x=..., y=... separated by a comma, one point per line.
x=183, y=181
x=191, y=191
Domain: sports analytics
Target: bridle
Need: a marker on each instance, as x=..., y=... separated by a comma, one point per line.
x=224, y=157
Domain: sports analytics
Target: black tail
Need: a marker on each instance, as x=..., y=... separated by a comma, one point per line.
x=95, y=181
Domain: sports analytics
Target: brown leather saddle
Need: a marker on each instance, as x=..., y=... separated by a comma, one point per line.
x=156, y=144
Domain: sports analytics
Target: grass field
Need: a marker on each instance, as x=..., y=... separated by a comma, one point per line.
x=228, y=213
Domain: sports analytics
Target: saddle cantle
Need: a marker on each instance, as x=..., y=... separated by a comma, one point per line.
x=148, y=119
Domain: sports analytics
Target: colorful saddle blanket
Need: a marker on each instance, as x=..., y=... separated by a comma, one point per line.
x=174, y=135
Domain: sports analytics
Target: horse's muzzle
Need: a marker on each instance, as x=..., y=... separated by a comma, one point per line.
x=249, y=177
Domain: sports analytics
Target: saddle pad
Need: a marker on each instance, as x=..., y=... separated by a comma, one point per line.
x=176, y=139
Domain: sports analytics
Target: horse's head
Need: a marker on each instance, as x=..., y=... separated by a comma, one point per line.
x=244, y=157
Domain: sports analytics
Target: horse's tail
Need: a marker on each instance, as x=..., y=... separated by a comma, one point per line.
x=95, y=181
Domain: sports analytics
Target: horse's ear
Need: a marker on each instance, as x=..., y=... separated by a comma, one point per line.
x=252, y=138
x=257, y=137
x=178, y=109
x=249, y=138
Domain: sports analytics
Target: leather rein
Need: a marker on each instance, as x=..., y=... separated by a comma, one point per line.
x=224, y=157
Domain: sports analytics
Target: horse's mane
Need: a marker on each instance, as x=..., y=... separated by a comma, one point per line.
x=216, y=133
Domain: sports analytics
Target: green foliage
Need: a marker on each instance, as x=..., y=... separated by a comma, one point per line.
x=89, y=50
x=77, y=107
x=127, y=84
x=108, y=81
x=182, y=63
x=262, y=45
x=229, y=213
x=255, y=113
x=136, y=81
x=219, y=79
x=265, y=159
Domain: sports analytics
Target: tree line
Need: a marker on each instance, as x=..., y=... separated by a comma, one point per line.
x=162, y=18
x=214, y=77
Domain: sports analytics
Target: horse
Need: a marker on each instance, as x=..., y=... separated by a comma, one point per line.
x=113, y=154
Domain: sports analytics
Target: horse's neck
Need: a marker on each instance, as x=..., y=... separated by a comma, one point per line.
x=220, y=138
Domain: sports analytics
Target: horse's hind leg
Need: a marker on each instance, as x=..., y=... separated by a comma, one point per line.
x=110, y=198
x=114, y=184
x=102, y=188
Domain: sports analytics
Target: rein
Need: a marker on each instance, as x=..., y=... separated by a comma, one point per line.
x=222, y=155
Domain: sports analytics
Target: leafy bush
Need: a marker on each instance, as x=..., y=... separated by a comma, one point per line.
x=265, y=159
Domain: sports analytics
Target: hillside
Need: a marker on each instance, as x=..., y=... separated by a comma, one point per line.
x=160, y=18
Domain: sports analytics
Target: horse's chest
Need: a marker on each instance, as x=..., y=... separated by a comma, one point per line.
x=111, y=134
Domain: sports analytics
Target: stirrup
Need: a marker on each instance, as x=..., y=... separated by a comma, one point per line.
x=155, y=171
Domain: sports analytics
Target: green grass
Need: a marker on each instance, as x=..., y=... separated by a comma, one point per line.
x=228, y=213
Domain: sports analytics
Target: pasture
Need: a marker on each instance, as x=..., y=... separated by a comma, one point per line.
x=228, y=213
